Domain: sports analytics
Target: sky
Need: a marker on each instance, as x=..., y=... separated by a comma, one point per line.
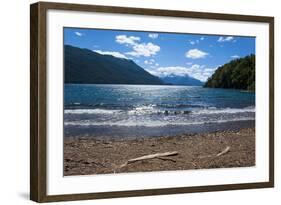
x=164, y=54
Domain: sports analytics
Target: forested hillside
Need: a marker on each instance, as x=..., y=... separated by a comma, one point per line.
x=237, y=74
x=88, y=67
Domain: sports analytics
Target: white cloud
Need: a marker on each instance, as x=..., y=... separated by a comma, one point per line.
x=224, y=39
x=235, y=56
x=138, y=49
x=112, y=53
x=199, y=72
x=153, y=35
x=144, y=49
x=149, y=62
x=128, y=40
x=78, y=33
x=195, y=54
x=192, y=42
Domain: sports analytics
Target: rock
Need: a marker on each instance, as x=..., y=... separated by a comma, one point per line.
x=86, y=162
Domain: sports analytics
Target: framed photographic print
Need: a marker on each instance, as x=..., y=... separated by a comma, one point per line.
x=134, y=102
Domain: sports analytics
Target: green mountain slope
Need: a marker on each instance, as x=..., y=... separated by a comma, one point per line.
x=237, y=74
x=87, y=67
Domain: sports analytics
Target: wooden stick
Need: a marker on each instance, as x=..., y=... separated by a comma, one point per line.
x=224, y=151
x=166, y=159
x=151, y=156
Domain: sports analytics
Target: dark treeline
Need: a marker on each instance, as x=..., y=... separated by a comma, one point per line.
x=237, y=74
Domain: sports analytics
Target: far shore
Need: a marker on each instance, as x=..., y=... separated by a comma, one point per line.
x=226, y=149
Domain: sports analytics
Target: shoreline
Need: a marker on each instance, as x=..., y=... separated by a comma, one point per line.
x=86, y=155
x=114, y=132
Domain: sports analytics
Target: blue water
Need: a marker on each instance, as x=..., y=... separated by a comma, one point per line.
x=149, y=110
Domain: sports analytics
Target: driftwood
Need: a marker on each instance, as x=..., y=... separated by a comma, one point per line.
x=151, y=156
x=163, y=156
x=226, y=150
x=167, y=159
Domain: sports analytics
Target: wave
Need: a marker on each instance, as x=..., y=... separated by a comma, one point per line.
x=91, y=111
x=153, y=109
x=214, y=110
x=158, y=112
x=144, y=109
x=150, y=123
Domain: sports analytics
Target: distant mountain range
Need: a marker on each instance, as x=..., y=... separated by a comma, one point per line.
x=181, y=80
x=84, y=66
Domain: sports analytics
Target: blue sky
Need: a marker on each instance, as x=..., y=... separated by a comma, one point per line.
x=164, y=54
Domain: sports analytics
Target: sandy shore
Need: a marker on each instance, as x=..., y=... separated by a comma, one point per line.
x=85, y=156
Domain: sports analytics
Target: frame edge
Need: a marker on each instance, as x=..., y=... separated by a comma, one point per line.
x=271, y=102
x=37, y=102
x=154, y=12
x=34, y=187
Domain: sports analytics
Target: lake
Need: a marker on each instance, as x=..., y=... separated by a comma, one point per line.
x=151, y=110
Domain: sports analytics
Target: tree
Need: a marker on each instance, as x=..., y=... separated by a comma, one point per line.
x=237, y=74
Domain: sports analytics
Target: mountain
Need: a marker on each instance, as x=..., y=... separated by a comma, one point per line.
x=237, y=74
x=181, y=80
x=88, y=67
